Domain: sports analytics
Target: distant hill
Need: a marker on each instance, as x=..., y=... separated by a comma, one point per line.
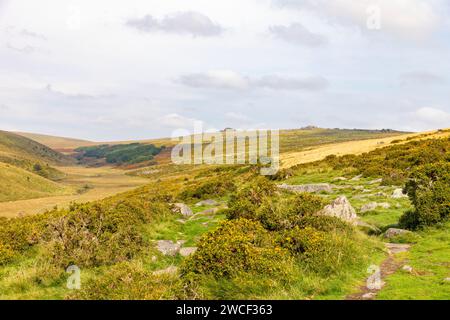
x=60, y=144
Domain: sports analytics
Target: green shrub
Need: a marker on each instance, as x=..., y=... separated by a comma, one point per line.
x=429, y=191
x=245, y=202
x=127, y=281
x=321, y=252
x=6, y=254
x=287, y=212
x=217, y=187
x=238, y=246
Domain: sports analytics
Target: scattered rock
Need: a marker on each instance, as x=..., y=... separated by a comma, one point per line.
x=394, y=248
x=447, y=279
x=394, y=232
x=369, y=296
x=367, y=228
x=340, y=179
x=308, y=187
x=185, y=252
x=168, y=247
x=357, y=178
x=376, y=181
x=181, y=221
x=209, y=202
x=407, y=268
x=384, y=205
x=154, y=258
x=380, y=194
x=169, y=271
x=369, y=207
x=205, y=224
x=341, y=208
x=398, y=193
x=358, y=188
x=206, y=212
x=373, y=205
x=183, y=209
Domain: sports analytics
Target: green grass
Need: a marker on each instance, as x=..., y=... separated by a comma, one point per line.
x=430, y=259
x=18, y=184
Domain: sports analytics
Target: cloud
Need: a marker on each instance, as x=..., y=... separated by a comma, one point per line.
x=298, y=34
x=217, y=79
x=188, y=22
x=421, y=78
x=177, y=121
x=408, y=19
x=31, y=34
x=27, y=49
x=290, y=83
x=230, y=80
x=432, y=116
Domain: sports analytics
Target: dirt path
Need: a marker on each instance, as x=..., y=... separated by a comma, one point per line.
x=103, y=182
x=389, y=266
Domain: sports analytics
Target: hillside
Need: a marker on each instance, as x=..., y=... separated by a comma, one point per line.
x=60, y=144
x=19, y=184
x=18, y=147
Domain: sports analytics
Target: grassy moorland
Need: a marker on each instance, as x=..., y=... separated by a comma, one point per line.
x=254, y=242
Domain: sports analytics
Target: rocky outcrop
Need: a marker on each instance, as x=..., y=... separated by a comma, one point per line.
x=342, y=209
x=186, y=252
x=168, y=247
x=312, y=188
x=394, y=232
x=182, y=209
x=398, y=193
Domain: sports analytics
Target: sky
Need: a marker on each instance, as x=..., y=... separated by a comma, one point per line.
x=115, y=70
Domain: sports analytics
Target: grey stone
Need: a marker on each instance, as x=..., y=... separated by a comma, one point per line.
x=376, y=181
x=407, y=268
x=394, y=248
x=340, y=179
x=183, y=209
x=168, y=271
x=319, y=187
x=398, y=194
x=357, y=178
x=341, y=208
x=394, y=232
x=369, y=295
x=185, y=252
x=168, y=247
x=369, y=207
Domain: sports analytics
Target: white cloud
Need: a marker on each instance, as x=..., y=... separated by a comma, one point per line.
x=218, y=79
x=176, y=121
x=432, y=116
x=421, y=78
x=226, y=79
x=405, y=18
x=296, y=33
x=189, y=22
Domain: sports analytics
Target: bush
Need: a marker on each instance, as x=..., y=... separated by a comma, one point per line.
x=321, y=252
x=245, y=202
x=285, y=213
x=127, y=281
x=429, y=191
x=6, y=254
x=212, y=188
x=239, y=246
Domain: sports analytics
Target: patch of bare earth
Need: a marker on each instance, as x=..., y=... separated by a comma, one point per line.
x=387, y=268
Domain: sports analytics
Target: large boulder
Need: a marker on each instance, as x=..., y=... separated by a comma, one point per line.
x=168, y=247
x=183, y=209
x=319, y=187
x=394, y=232
x=342, y=209
x=398, y=193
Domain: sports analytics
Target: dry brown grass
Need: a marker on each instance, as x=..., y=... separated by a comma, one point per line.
x=104, y=182
x=291, y=159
